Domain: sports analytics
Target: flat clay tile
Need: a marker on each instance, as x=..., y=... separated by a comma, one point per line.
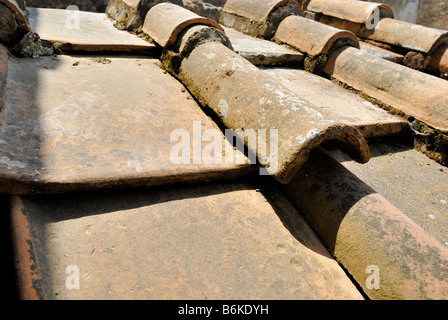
x=216, y=241
x=350, y=10
x=74, y=122
x=165, y=21
x=88, y=31
x=312, y=37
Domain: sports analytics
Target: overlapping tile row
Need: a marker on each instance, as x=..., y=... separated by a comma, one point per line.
x=422, y=46
x=258, y=18
x=212, y=71
x=417, y=94
x=60, y=133
x=370, y=216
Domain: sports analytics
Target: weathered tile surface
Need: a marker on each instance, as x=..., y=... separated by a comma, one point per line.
x=262, y=52
x=339, y=104
x=414, y=93
x=74, y=122
x=219, y=241
x=249, y=100
x=166, y=20
x=95, y=31
x=380, y=52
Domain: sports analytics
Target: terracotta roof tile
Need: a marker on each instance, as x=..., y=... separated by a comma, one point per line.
x=315, y=38
x=95, y=32
x=97, y=122
x=165, y=21
x=88, y=122
x=209, y=242
x=350, y=10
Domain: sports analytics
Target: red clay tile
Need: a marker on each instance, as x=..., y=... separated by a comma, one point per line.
x=381, y=52
x=263, y=52
x=15, y=8
x=74, y=122
x=254, y=10
x=340, y=104
x=130, y=14
x=407, y=35
x=417, y=94
x=216, y=241
x=258, y=18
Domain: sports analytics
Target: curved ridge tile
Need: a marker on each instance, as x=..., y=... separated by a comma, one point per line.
x=417, y=94
x=350, y=10
x=165, y=21
x=14, y=7
x=407, y=35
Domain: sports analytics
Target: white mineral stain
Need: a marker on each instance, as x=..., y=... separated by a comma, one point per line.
x=11, y=163
x=222, y=108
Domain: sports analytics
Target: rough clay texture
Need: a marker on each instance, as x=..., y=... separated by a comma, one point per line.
x=212, y=72
x=417, y=94
x=84, y=5
x=361, y=229
x=207, y=8
x=32, y=46
x=213, y=241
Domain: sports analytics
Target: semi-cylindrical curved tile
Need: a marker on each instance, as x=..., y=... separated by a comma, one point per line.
x=414, y=93
x=14, y=7
x=406, y=35
x=312, y=37
x=166, y=20
x=367, y=234
x=439, y=58
x=255, y=10
x=249, y=100
x=350, y=10
x=74, y=122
